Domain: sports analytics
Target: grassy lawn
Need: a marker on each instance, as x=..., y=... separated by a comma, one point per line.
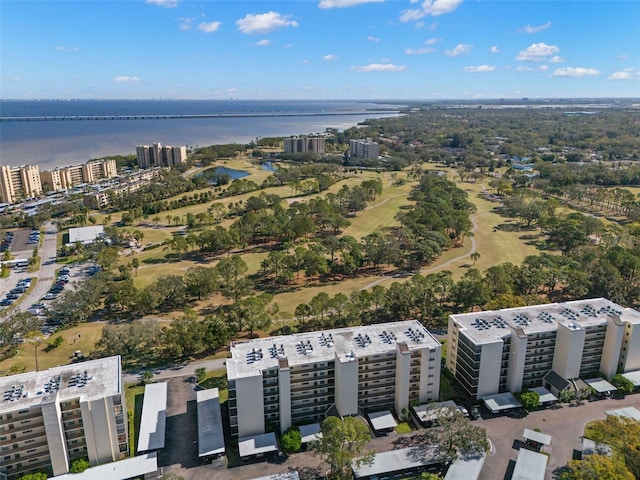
x=216, y=379
x=403, y=427
x=134, y=395
x=82, y=337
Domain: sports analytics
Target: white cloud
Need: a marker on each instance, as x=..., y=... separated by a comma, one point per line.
x=305, y=62
x=624, y=56
x=185, y=23
x=575, y=72
x=537, y=52
x=6, y=78
x=344, y=3
x=209, y=27
x=263, y=42
x=287, y=45
x=163, y=3
x=479, y=69
x=329, y=58
x=429, y=7
x=537, y=28
x=460, y=49
x=419, y=51
x=126, y=79
x=626, y=74
x=66, y=49
x=264, y=22
x=557, y=59
x=433, y=41
x=371, y=38
x=541, y=68
x=495, y=49
x=380, y=67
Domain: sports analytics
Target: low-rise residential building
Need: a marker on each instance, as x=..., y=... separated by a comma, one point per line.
x=304, y=144
x=297, y=379
x=517, y=348
x=50, y=418
x=19, y=183
x=126, y=184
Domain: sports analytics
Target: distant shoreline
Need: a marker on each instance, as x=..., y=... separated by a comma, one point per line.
x=51, y=144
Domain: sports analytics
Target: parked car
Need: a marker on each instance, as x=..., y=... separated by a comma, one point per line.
x=474, y=412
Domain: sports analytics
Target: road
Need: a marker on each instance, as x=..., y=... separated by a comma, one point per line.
x=177, y=371
x=47, y=270
x=48, y=267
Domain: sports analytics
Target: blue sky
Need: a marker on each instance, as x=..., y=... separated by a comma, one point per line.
x=321, y=49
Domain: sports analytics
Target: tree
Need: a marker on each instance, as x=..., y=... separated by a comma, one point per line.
x=475, y=256
x=79, y=465
x=291, y=441
x=457, y=436
x=36, y=337
x=343, y=444
x=34, y=476
x=135, y=264
x=598, y=467
x=200, y=372
x=530, y=400
x=624, y=385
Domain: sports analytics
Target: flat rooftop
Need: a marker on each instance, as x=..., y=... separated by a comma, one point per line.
x=398, y=460
x=210, y=432
x=530, y=465
x=129, y=468
x=154, y=417
x=88, y=380
x=252, y=357
x=85, y=234
x=257, y=444
x=492, y=325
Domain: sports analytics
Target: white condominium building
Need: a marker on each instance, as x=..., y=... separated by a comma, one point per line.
x=19, y=183
x=158, y=155
x=364, y=148
x=49, y=418
x=297, y=379
x=513, y=349
x=65, y=178
x=304, y=144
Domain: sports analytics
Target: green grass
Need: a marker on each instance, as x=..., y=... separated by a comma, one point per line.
x=82, y=337
x=217, y=379
x=403, y=427
x=134, y=395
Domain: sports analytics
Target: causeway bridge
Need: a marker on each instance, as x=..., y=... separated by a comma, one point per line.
x=69, y=118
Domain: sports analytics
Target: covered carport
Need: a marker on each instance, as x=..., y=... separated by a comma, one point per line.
x=257, y=445
x=153, y=420
x=501, y=402
x=536, y=439
x=601, y=386
x=210, y=432
x=544, y=395
x=530, y=465
x=382, y=422
x=633, y=377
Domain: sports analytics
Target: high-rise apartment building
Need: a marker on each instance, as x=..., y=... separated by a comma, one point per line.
x=364, y=148
x=514, y=349
x=304, y=144
x=18, y=183
x=49, y=418
x=297, y=379
x=65, y=178
x=158, y=155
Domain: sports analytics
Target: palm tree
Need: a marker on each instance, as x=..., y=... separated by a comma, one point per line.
x=475, y=256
